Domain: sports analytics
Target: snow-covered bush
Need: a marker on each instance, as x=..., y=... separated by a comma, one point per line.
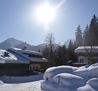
x=51, y=72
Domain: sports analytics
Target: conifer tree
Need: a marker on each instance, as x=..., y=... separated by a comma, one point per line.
x=61, y=55
x=71, y=53
x=86, y=36
x=79, y=39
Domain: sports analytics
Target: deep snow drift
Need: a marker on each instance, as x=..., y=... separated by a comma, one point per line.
x=68, y=78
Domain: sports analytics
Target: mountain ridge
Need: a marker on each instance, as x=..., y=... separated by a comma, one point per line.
x=12, y=42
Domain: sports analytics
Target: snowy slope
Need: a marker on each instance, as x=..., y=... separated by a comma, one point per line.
x=10, y=42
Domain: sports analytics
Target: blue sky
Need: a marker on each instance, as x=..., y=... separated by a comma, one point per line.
x=17, y=19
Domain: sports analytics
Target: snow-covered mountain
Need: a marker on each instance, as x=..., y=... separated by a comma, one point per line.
x=12, y=42
x=31, y=47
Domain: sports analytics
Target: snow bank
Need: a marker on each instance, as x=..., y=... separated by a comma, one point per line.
x=83, y=67
x=88, y=72
x=83, y=73
x=48, y=86
x=91, y=85
x=94, y=65
x=69, y=80
x=51, y=72
x=87, y=87
x=93, y=82
x=93, y=71
x=1, y=83
x=63, y=82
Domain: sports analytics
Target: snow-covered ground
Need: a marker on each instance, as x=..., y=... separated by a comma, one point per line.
x=61, y=78
x=30, y=86
x=28, y=83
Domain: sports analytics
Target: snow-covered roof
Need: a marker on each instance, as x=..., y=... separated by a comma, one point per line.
x=85, y=49
x=11, y=58
x=24, y=52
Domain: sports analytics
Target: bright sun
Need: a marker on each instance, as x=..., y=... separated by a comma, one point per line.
x=45, y=13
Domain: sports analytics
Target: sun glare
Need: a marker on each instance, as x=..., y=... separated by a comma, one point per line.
x=45, y=13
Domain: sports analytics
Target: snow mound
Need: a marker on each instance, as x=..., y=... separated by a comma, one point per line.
x=93, y=71
x=91, y=85
x=88, y=72
x=1, y=83
x=48, y=86
x=83, y=73
x=69, y=80
x=87, y=87
x=63, y=82
x=83, y=67
x=94, y=65
x=51, y=72
x=93, y=82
